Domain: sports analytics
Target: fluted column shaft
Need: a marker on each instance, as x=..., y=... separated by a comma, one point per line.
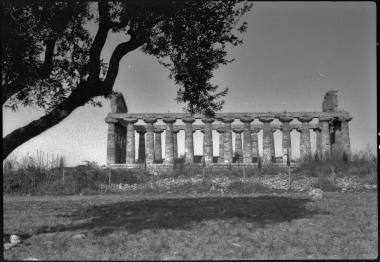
x=318, y=141
x=273, y=146
x=267, y=140
x=305, y=147
x=149, y=140
x=130, y=140
x=238, y=145
x=345, y=135
x=286, y=139
x=175, y=143
x=189, y=140
x=221, y=145
x=255, y=143
x=141, y=154
x=169, y=145
x=247, y=146
x=207, y=140
x=157, y=144
x=227, y=140
x=325, y=136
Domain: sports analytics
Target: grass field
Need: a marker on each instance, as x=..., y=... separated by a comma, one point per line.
x=168, y=226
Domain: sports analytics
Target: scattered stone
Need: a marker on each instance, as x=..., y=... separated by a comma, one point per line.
x=316, y=194
x=15, y=239
x=79, y=236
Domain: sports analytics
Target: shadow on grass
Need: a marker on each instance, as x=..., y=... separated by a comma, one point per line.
x=135, y=216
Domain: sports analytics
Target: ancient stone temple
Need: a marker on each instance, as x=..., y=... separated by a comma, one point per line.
x=331, y=136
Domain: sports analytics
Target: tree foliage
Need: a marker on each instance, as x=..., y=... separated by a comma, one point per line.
x=50, y=59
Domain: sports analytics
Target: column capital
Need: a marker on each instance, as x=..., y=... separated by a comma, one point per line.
x=238, y=130
x=188, y=120
x=150, y=120
x=158, y=130
x=168, y=120
x=175, y=131
x=305, y=119
x=325, y=119
x=141, y=131
x=345, y=118
x=246, y=119
x=226, y=119
x=266, y=119
x=285, y=119
x=130, y=120
x=208, y=120
x=220, y=130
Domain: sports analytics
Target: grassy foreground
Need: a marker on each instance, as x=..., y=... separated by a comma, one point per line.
x=167, y=226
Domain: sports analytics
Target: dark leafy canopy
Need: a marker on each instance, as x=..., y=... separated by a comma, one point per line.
x=46, y=48
x=50, y=60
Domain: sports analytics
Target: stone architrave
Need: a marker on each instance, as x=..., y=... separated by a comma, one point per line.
x=238, y=144
x=227, y=158
x=247, y=146
x=130, y=140
x=149, y=152
x=221, y=145
x=157, y=143
x=345, y=135
x=189, y=140
x=305, y=146
x=255, y=143
x=169, y=144
x=267, y=139
x=141, y=154
x=324, y=123
x=207, y=140
x=286, y=138
x=175, y=143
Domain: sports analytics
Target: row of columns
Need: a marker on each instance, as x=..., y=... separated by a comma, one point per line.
x=150, y=147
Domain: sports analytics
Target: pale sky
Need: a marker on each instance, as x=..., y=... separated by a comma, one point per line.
x=293, y=53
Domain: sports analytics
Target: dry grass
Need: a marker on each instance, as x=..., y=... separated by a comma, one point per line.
x=156, y=227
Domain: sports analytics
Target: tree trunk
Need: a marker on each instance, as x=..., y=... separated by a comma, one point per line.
x=19, y=136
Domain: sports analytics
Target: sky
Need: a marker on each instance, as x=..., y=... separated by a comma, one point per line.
x=293, y=53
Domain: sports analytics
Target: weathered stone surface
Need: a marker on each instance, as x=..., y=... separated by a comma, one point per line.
x=130, y=140
x=330, y=101
x=157, y=144
x=118, y=104
x=189, y=140
x=227, y=158
x=255, y=142
x=247, y=144
x=267, y=140
x=273, y=146
x=141, y=154
x=175, y=143
x=286, y=139
x=149, y=140
x=238, y=145
x=169, y=144
x=345, y=135
x=207, y=141
x=221, y=145
x=325, y=136
x=318, y=142
x=305, y=146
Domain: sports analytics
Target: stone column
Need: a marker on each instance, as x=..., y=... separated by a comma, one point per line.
x=273, y=146
x=189, y=140
x=141, y=155
x=157, y=143
x=325, y=136
x=238, y=145
x=221, y=145
x=175, y=143
x=345, y=135
x=149, y=140
x=247, y=146
x=267, y=139
x=318, y=141
x=207, y=140
x=286, y=138
x=227, y=158
x=111, y=143
x=169, y=144
x=130, y=140
x=255, y=143
x=305, y=147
